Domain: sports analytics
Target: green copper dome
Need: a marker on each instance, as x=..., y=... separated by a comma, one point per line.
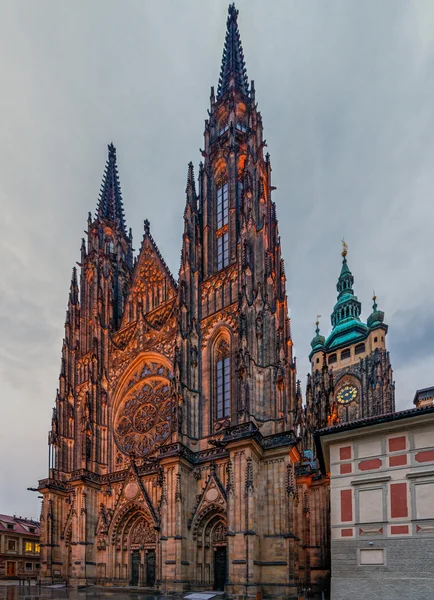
x=376, y=318
x=318, y=341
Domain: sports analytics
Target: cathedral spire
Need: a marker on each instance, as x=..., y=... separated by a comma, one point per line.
x=110, y=204
x=73, y=291
x=233, y=70
x=190, y=189
x=348, y=306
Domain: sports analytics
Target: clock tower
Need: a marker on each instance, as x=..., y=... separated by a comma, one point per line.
x=351, y=375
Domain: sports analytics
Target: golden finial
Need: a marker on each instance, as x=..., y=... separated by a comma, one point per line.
x=374, y=297
x=344, y=248
x=318, y=317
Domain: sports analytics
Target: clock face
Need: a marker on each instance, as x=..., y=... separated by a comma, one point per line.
x=347, y=394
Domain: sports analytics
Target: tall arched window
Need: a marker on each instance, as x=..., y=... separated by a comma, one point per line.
x=222, y=229
x=223, y=380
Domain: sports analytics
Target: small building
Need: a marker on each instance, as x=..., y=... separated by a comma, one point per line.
x=19, y=547
x=382, y=505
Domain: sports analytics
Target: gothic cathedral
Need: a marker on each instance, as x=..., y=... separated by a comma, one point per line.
x=180, y=450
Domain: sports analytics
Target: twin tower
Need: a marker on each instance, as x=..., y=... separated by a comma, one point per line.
x=179, y=427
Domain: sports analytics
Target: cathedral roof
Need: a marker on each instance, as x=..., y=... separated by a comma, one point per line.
x=110, y=204
x=233, y=70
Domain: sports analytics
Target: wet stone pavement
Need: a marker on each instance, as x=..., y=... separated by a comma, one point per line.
x=13, y=591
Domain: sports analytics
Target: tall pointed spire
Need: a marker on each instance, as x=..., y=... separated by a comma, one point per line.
x=110, y=204
x=348, y=306
x=190, y=189
x=233, y=70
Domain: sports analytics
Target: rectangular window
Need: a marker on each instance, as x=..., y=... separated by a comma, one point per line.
x=241, y=127
x=29, y=547
x=222, y=205
x=29, y=567
x=239, y=194
x=37, y=547
x=223, y=128
x=10, y=526
x=11, y=545
x=223, y=388
x=222, y=251
x=345, y=354
x=37, y=566
x=332, y=359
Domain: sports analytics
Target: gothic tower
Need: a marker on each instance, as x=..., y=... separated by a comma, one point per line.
x=232, y=279
x=172, y=450
x=351, y=374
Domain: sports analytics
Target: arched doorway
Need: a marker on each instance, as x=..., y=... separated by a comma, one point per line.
x=210, y=533
x=135, y=548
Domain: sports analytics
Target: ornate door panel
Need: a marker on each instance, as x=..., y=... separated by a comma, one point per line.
x=150, y=568
x=135, y=567
x=220, y=568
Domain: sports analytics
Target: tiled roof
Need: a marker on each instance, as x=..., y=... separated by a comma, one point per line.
x=21, y=525
x=365, y=422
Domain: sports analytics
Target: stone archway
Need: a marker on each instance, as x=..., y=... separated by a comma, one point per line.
x=134, y=539
x=210, y=534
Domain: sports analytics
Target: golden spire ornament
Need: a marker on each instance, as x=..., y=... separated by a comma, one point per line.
x=344, y=248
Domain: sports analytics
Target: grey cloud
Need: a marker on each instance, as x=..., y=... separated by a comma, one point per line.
x=345, y=89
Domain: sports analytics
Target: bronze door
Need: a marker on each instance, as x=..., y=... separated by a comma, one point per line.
x=135, y=567
x=11, y=569
x=220, y=568
x=150, y=568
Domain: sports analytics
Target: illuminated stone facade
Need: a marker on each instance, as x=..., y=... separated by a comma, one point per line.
x=174, y=461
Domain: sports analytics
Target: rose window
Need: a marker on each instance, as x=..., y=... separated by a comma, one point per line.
x=145, y=417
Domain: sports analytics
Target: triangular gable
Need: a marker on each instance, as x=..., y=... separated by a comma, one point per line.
x=153, y=283
x=213, y=495
x=133, y=492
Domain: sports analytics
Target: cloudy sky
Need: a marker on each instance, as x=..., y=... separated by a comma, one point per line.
x=346, y=92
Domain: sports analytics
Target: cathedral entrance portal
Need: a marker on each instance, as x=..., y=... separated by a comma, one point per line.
x=135, y=567
x=220, y=568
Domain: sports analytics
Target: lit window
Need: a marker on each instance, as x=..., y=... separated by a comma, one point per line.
x=11, y=545
x=223, y=379
x=222, y=205
x=222, y=251
x=29, y=567
x=37, y=547
x=29, y=547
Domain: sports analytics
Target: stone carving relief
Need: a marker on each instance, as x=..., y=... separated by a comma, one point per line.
x=143, y=533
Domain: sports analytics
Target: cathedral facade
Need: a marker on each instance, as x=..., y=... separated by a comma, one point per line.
x=180, y=450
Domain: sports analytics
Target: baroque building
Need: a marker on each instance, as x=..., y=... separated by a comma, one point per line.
x=351, y=375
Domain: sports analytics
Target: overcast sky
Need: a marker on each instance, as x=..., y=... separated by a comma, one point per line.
x=346, y=93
